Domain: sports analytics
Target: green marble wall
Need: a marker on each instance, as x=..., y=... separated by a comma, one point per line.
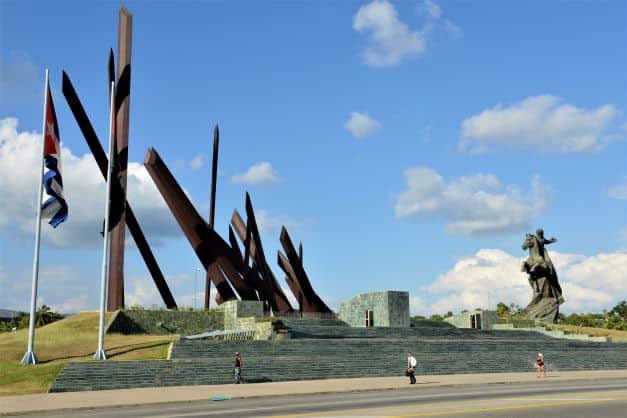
x=390, y=308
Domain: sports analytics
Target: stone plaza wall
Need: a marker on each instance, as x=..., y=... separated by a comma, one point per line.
x=235, y=310
x=390, y=309
x=486, y=319
x=162, y=322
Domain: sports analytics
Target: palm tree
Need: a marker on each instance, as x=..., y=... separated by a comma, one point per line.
x=45, y=316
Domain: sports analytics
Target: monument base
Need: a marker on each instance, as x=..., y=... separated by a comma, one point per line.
x=545, y=310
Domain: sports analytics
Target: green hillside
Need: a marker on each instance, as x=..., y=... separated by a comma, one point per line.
x=72, y=339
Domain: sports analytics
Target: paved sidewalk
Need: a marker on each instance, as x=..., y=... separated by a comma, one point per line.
x=128, y=397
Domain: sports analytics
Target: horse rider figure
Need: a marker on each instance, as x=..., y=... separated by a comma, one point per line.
x=539, y=264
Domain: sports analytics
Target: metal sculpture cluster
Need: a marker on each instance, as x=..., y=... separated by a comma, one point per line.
x=248, y=276
x=235, y=275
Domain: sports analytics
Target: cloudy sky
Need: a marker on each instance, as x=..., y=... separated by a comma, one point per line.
x=409, y=145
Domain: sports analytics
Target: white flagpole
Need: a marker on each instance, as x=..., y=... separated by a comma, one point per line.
x=100, y=353
x=29, y=356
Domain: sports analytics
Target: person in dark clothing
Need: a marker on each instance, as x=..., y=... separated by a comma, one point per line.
x=239, y=365
x=411, y=367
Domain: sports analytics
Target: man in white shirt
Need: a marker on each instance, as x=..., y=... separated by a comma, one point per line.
x=411, y=367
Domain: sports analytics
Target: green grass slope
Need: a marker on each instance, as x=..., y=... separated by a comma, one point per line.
x=72, y=339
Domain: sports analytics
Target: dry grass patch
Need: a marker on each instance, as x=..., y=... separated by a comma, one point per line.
x=614, y=334
x=71, y=339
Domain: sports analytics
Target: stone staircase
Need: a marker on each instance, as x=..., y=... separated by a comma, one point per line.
x=344, y=352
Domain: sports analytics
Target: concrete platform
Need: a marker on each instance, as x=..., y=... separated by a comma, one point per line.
x=32, y=404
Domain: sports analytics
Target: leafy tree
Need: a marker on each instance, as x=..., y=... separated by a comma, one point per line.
x=502, y=309
x=46, y=316
x=436, y=317
x=620, y=310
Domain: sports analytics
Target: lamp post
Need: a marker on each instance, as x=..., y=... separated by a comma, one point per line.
x=195, y=281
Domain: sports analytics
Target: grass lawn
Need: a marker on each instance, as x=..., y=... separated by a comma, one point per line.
x=71, y=339
x=616, y=335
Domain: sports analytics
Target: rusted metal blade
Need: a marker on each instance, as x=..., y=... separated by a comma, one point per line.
x=102, y=161
x=312, y=302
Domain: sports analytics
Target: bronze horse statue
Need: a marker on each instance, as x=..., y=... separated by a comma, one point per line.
x=542, y=274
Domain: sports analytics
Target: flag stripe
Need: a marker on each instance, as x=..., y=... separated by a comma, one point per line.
x=55, y=207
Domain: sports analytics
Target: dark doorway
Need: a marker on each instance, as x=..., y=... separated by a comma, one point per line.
x=369, y=318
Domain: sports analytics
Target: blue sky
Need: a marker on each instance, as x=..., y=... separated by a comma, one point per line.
x=408, y=145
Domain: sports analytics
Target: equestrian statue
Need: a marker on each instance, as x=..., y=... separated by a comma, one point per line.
x=547, y=292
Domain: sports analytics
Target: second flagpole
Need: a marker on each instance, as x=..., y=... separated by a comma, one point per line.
x=100, y=352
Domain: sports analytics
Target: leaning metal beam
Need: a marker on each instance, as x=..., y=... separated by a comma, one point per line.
x=212, y=204
x=290, y=279
x=102, y=161
x=269, y=290
x=311, y=301
x=212, y=251
x=250, y=275
x=115, y=299
x=281, y=304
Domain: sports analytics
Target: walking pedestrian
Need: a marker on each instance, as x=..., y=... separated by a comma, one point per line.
x=411, y=367
x=540, y=365
x=239, y=366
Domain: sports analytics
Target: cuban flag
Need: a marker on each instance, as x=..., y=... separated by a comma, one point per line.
x=55, y=207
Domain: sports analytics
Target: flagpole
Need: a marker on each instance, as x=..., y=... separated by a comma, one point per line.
x=29, y=356
x=100, y=353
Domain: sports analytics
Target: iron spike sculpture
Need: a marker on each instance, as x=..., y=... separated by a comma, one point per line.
x=101, y=160
x=212, y=251
x=293, y=267
x=272, y=292
x=115, y=299
x=212, y=205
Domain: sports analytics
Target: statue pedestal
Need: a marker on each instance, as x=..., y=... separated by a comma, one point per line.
x=545, y=310
x=544, y=305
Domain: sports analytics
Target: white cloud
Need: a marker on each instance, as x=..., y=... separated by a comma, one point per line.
x=476, y=204
x=84, y=189
x=543, y=122
x=429, y=8
x=361, y=125
x=261, y=173
x=618, y=192
x=390, y=39
x=267, y=224
x=452, y=28
x=142, y=293
x=72, y=304
x=198, y=162
x=589, y=283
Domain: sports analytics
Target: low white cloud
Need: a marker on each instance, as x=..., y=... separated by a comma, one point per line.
x=84, y=189
x=72, y=304
x=141, y=292
x=476, y=204
x=589, y=283
x=543, y=122
x=391, y=40
x=361, y=125
x=261, y=173
x=198, y=162
x=618, y=192
x=267, y=223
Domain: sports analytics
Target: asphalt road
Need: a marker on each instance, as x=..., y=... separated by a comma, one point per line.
x=581, y=399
